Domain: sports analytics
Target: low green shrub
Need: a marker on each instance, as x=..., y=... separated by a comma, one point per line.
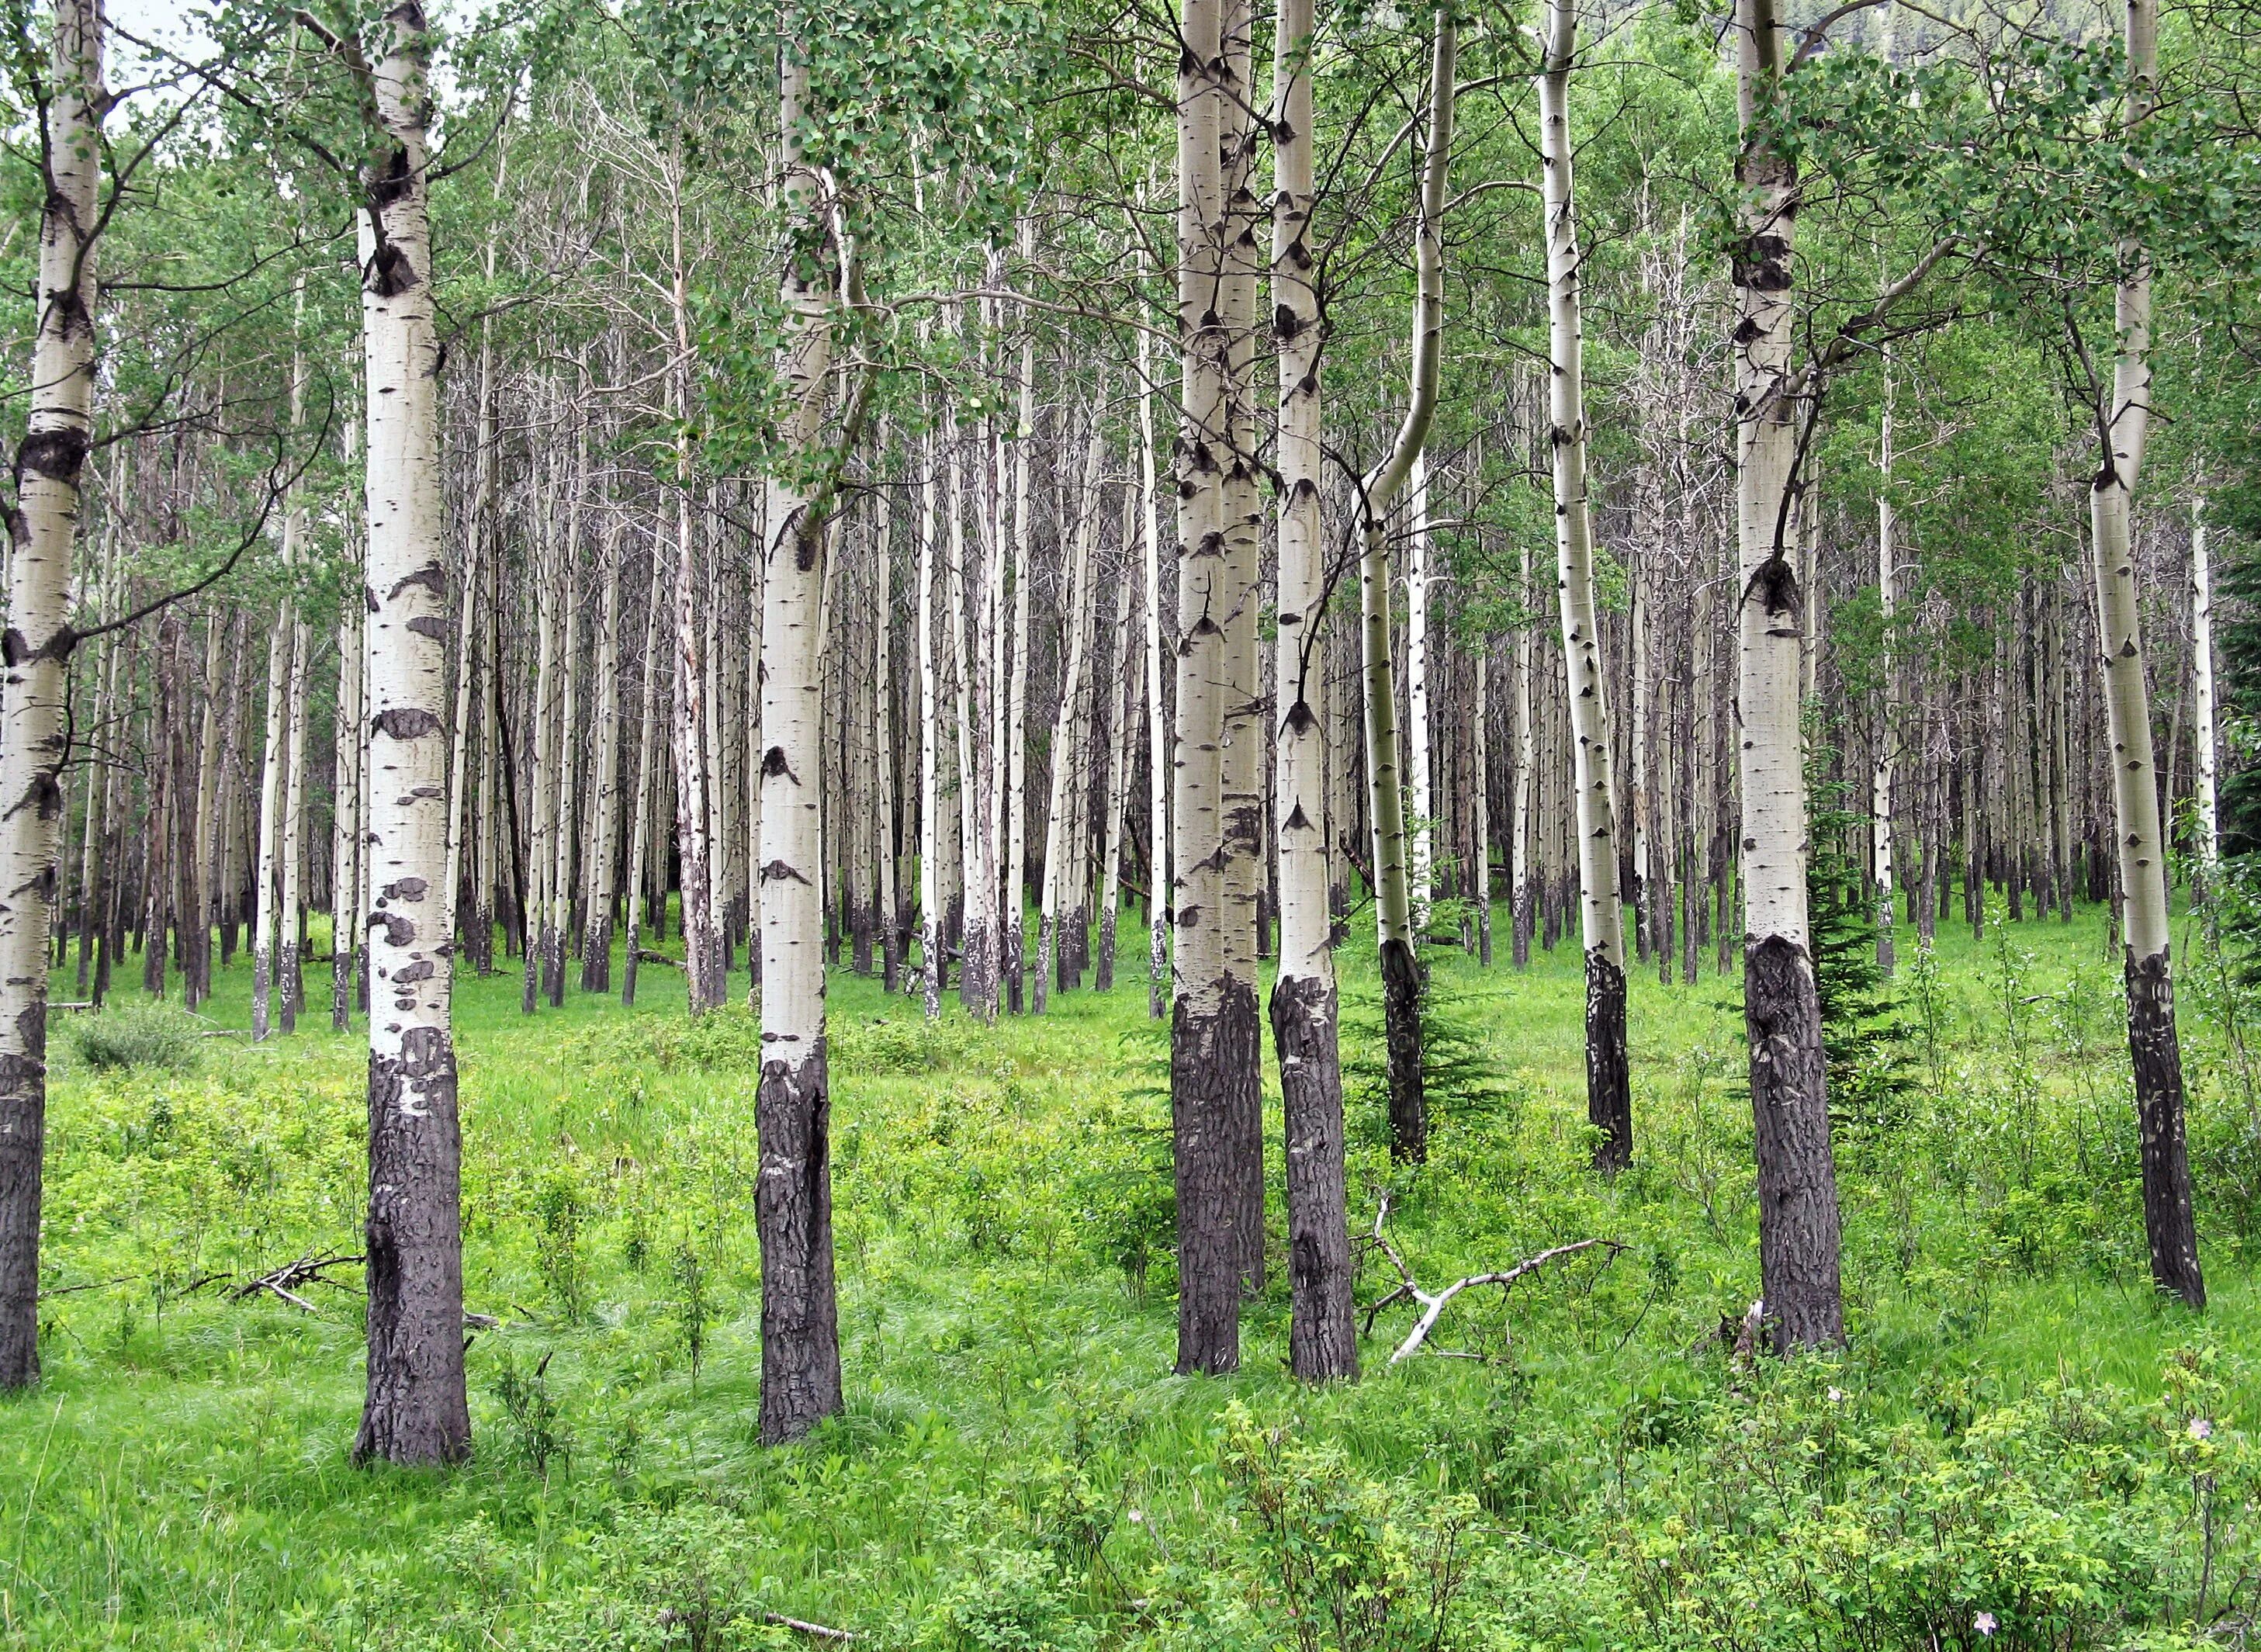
x=155, y=1037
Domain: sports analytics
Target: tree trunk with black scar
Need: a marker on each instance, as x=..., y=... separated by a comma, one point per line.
x=800, y=1342
x=1322, y=1335
x=35, y=655
x=2123, y=417
x=1799, y=1231
x=415, y=1411
x=1609, y=1092
x=1393, y=890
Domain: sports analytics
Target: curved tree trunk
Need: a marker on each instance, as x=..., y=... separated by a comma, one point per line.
x=415, y=1410
x=1601, y=910
x=1393, y=893
x=2124, y=420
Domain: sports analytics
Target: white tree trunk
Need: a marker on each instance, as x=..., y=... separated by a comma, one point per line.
x=2209, y=817
x=416, y=1409
x=1417, y=753
x=1157, y=728
x=1880, y=791
x=33, y=682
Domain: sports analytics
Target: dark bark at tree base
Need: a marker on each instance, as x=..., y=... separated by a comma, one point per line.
x=342, y=989
x=553, y=967
x=1521, y=937
x=1401, y=1028
x=1016, y=968
x=22, y=1140
x=597, y=957
x=627, y=978
x=1102, y=974
x=2156, y=1053
x=416, y=1411
x=1214, y=1096
x=792, y=1211
x=1609, y=1070
x=1321, y=1330
x=1799, y=1226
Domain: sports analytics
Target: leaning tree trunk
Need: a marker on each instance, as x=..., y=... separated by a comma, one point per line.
x=1419, y=780
x=1609, y=1081
x=415, y=1410
x=1799, y=1231
x=1322, y=1335
x=35, y=663
x=2124, y=418
x=1393, y=890
x=800, y=1342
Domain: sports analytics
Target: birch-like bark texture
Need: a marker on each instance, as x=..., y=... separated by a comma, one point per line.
x=345, y=818
x=288, y=980
x=646, y=775
x=801, y=1341
x=1880, y=779
x=1215, y=1051
x=273, y=786
x=1799, y=1226
x=1014, y=949
x=597, y=906
x=933, y=961
x=883, y=702
x=1378, y=493
x=1121, y=684
x=1157, y=722
x=1601, y=909
x=2123, y=418
x=35, y=654
x=2202, y=714
x=702, y=952
x=1419, y=781
x=1051, y=902
x=415, y=1410
x=1322, y=1334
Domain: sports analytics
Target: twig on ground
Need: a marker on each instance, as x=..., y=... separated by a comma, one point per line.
x=1433, y=1303
x=820, y=1631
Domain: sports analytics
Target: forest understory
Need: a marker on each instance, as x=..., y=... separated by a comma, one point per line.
x=2022, y=1446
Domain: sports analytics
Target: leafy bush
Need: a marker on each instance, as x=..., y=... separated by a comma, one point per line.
x=147, y=1035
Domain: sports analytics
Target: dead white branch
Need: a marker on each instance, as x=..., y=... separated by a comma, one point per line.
x=1433, y=1303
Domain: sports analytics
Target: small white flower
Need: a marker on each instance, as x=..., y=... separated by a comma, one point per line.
x=1138, y=1517
x=2201, y=1428
x=1984, y=1623
x=1836, y=1396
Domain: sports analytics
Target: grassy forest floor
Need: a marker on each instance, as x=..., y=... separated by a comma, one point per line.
x=2022, y=1447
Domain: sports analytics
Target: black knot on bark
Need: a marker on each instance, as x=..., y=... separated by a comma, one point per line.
x=1776, y=582
x=407, y=722
x=57, y=455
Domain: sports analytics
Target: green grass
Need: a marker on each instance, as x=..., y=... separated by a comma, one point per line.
x=180, y=1477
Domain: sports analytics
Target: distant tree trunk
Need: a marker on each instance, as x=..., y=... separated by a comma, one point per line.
x=883, y=699
x=2123, y=418
x=1125, y=698
x=1420, y=781
x=346, y=895
x=648, y=766
x=1799, y=1231
x=274, y=794
x=416, y=1409
x=288, y=980
x=933, y=947
x=1880, y=792
x=1016, y=714
x=1158, y=728
x=1322, y=1336
x=598, y=902
x=2209, y=829
x=1053, y=910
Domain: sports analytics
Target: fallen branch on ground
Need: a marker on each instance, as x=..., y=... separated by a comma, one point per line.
x=1434, y=1302
x=307, y=1270
x=819, y=1630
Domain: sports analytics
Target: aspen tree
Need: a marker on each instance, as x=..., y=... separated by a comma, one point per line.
x=1421, y=783
x=2209, y=829
x=274, y=788
x=1122, y=686
x=468, y=665
x=2123, y=410
x=1016, y=734
x=1322, y=1338
x=1158, y=732
x=415, y=1410
x=932, y=949
x=597, y=917
x=534, y=912
x=1058, y=810
x=647, y=753
x=883, y=695
x=1609, y=1084
x=1214, y=1044
x=1798, y=1228
x=1378, y=493
x=346, y=804
x=800, y=1345
x=1880, y=780
x=288, y=981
